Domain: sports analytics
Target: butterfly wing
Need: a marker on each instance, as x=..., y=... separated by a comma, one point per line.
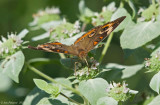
x=90, y=39
x=56, y=47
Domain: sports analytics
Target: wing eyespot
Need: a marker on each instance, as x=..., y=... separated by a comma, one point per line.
x=93, y=33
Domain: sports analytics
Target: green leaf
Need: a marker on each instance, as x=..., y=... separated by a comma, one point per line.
x=64, y=81
x=23, y=33
x=127, y=21
x=70, y=41
x=155, y=82
x=131, y=4
x=93, y=89
x=41, y=84
x=127, y=71
x=155, y=101
x=137, y=35
x=155, y=51
x=82, y=6
x=149, y=12
x=36, y=96
x=69, y=62
x=41, y=37
x=136, y=55
x=107, y=101
x=6, y=82
x=13, y=66
x=52, y=89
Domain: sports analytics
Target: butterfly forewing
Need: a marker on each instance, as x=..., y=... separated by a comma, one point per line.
x=101, y=33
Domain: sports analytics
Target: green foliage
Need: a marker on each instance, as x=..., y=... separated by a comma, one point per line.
x=155, y=82
x=13, y=65
x=86, y=82
x=93, y=89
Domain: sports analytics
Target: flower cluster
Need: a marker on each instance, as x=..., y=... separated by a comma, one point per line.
x=153, y=64
x=64, y=30
x=85, y=73
x=119, y=92
x=43, y=16
x=9, y=46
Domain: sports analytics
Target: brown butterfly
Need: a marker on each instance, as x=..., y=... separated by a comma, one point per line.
x=85, y=43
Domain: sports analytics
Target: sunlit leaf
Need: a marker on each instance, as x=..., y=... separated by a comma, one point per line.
x=155, y=82
x=93, y=89
x=127, y=21
x=155, y=101
x=135, y=36
x=107, y=101
x=41, y=84
x=6, y=82
x=127, y=71
x=13, y=67
x=23, y=33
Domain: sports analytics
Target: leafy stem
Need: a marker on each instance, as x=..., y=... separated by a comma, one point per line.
x=52, y=80
x=106, y=47
x=70, y=99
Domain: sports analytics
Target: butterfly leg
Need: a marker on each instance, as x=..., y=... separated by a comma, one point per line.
x=87, y=64
x=75, y=68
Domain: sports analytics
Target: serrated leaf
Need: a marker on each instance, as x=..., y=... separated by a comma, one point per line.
x=36, y=96
x=13, y=67
x=93, y=89
x=41, y=84
x=127, y=21
x=155, y=82
x=107, y=101
x=155, y=101
x=137, y=35
x=64, y=81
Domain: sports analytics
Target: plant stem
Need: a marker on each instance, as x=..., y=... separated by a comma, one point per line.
x=52, y=80
x=106, y=47
x=121, y=4
x=83, y=27
x=62, y=55
x=70, y=99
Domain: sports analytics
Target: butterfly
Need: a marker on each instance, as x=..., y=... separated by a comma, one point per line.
x=83, y=44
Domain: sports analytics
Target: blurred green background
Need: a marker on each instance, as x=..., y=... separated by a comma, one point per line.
x=15, y=15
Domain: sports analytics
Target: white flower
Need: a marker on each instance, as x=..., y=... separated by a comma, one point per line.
x=96, y=14
x=52, y=10
x=6, y=50
x=77, y=25
x=4, y=39
x=64, y=21
x=125, y=90
x=104, y=8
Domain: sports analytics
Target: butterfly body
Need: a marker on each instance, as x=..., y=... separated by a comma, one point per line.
x=85, y=43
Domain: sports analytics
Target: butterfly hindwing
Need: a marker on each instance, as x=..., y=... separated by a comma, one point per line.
x=55, y=47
